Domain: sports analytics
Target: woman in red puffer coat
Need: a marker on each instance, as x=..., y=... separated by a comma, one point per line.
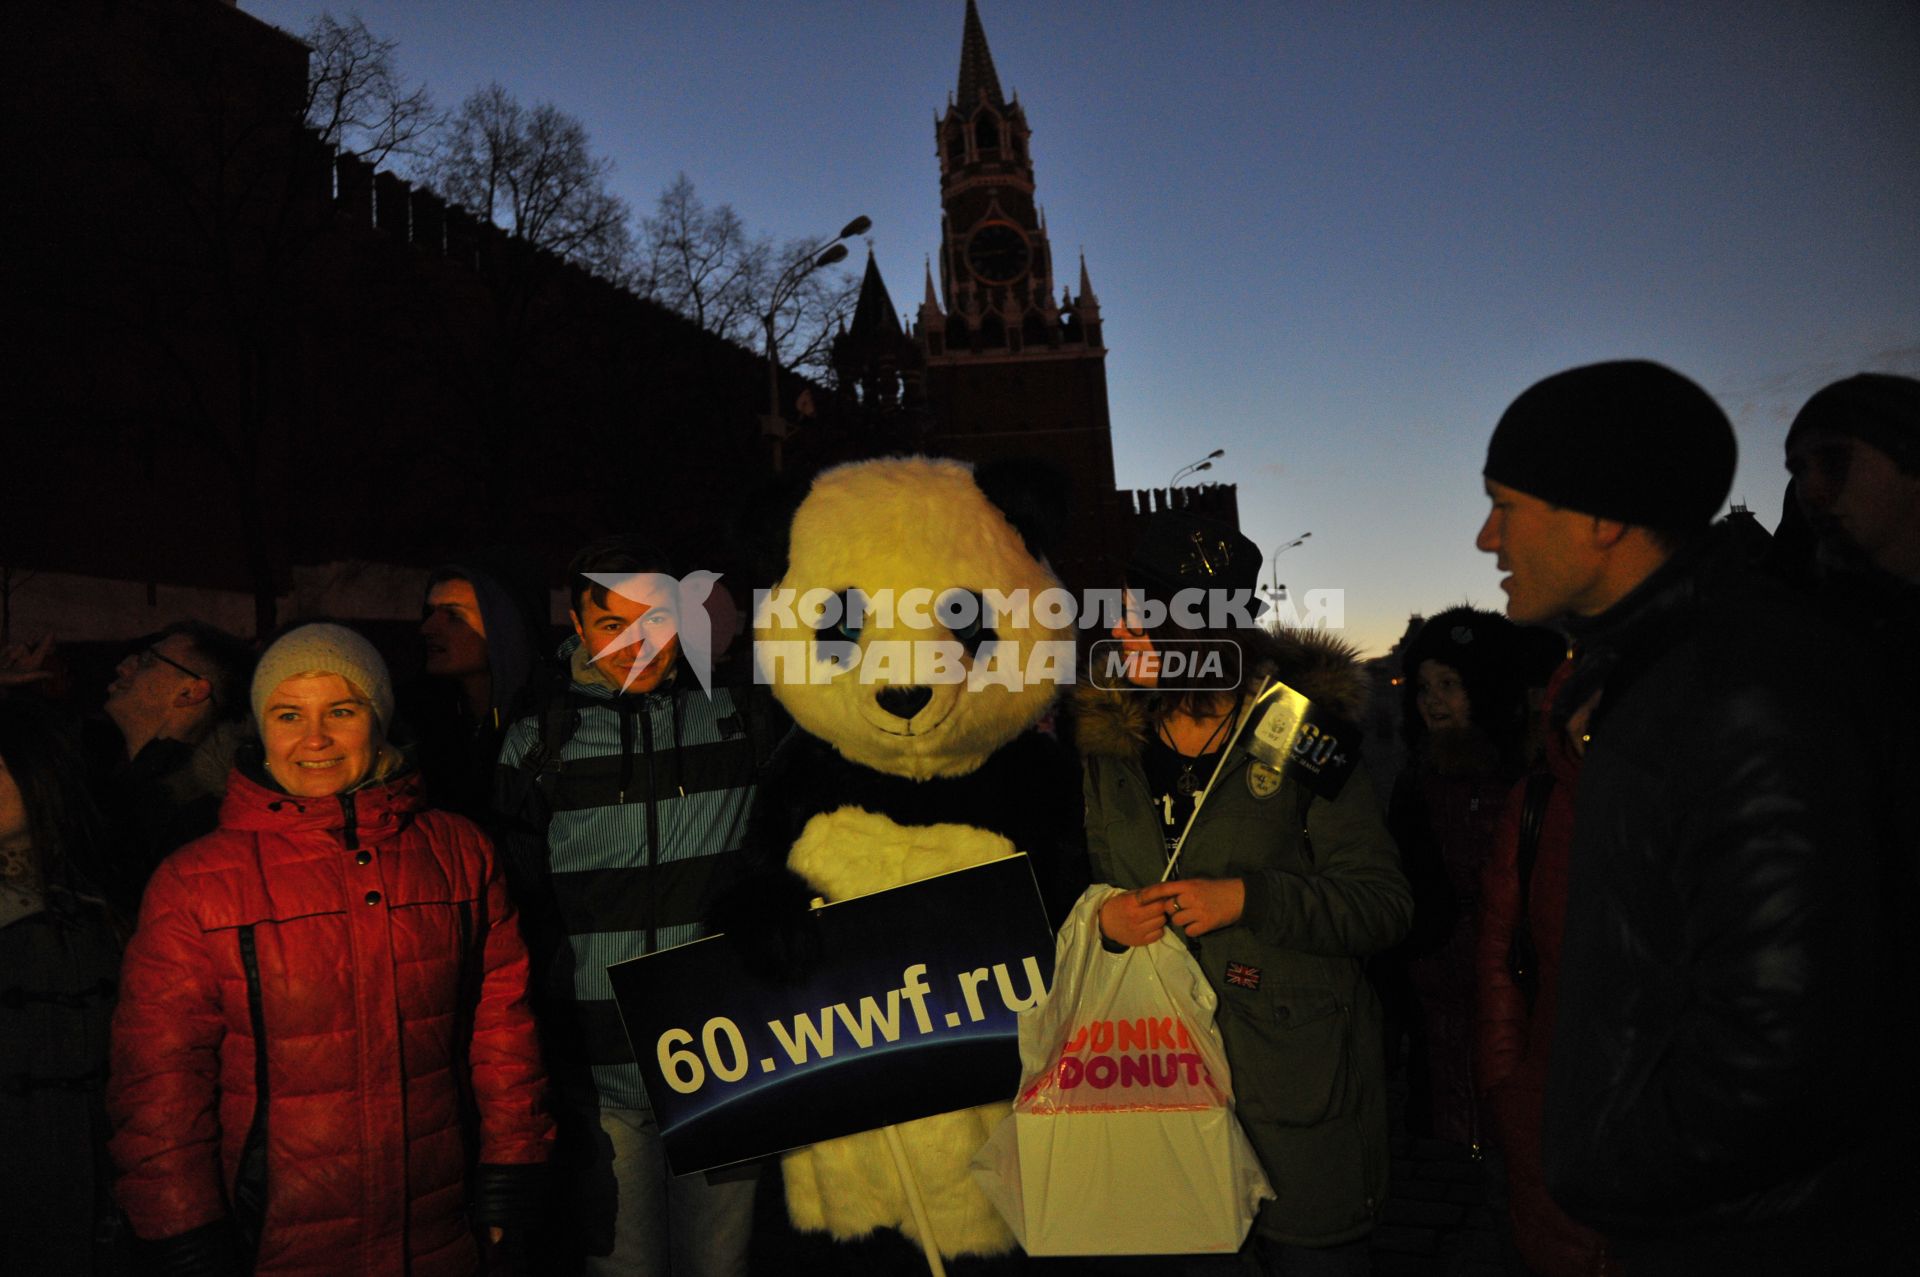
x=322, y=997
x=1511, y=1037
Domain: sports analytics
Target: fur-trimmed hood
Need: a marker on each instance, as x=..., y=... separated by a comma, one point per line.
x=1323, y=668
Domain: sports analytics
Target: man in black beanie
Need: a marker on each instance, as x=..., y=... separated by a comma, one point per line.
x=1854, y=452
x=1596, y=475
x=1719, y=1093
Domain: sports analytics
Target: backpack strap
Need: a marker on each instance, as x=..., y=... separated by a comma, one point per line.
x=559, y=720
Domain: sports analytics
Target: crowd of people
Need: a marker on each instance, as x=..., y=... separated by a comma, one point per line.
x=307, y=973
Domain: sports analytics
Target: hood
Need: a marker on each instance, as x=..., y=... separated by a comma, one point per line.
x=594, y=680
x=381, y=808
x=1325, y=669
x=514, y=614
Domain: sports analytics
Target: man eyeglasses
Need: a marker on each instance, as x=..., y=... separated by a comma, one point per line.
x=146, y=657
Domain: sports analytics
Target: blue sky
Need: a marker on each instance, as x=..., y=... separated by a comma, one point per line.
x=1333, y=239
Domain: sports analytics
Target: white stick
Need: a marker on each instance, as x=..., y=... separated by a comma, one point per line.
x=1226, y=751
x=928, y=1246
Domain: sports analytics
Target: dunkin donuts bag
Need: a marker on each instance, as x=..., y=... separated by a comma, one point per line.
x=1122, y=1140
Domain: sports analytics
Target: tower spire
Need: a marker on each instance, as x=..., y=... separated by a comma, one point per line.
x=874, y=306
x=977, y=75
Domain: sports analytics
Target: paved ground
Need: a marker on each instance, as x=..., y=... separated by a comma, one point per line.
x=1445, y=1215
x=1438, y=1218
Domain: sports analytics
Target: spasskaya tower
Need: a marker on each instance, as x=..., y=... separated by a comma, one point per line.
x=1015, y=364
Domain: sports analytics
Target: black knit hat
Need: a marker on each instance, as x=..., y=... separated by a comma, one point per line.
x=1628, y=440
x=1178, y=551
x=1875, y=407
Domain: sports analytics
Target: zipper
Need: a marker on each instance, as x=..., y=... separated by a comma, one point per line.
x=352, y=831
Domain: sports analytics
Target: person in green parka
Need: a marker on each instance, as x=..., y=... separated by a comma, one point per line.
x=1281, y=894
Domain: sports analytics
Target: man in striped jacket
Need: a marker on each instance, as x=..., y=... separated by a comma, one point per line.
x=624, y=802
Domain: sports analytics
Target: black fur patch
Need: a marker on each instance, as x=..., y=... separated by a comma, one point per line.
x=1029, y=793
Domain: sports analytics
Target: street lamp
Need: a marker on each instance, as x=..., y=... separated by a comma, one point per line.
x=822, y=255
x=1276, y=591
x=1205, y=463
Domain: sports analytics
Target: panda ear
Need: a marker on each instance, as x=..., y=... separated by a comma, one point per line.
x=1033, y=495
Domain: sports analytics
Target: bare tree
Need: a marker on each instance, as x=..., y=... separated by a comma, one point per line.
x=356, y=101
x=700, y=261
x=813, y=310
x=531, y=172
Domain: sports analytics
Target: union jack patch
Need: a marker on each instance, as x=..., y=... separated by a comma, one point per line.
x=1239, y=973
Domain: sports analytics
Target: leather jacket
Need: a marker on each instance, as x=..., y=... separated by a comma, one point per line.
x=1720, y=1036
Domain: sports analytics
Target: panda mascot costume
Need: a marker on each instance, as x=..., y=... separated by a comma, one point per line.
x=887, y=781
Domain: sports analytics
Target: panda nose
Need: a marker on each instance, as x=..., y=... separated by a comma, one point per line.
x=904, y=702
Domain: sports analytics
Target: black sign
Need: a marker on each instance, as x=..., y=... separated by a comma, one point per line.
x=911, y=1012
x=1302, y=739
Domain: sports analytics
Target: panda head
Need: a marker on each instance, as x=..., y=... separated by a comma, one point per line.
x=912, y=629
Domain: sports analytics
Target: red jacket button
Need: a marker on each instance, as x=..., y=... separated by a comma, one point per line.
x=373, y=897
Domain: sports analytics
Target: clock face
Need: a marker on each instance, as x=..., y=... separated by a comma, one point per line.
x=998, y=253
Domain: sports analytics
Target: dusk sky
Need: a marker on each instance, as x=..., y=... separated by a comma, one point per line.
x=1333, y=239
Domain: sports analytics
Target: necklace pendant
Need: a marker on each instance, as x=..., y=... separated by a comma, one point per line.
x=1187, y=784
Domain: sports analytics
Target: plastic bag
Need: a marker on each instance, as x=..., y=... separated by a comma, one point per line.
x=1122, y=1140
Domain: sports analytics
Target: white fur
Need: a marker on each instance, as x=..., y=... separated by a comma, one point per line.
x=851, y=852
x=848, y=1187
x=892, y=526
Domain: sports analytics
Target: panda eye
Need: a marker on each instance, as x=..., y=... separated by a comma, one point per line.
x=845, y=622
x=965, y=615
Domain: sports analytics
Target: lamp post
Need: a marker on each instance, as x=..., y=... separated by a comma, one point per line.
x=822, y=255
x=1276, y=591
x=1204, y=463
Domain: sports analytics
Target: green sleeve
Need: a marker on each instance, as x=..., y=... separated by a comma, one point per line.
x=1355, y=902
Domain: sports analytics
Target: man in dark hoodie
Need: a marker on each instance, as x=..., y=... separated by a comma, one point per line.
x=483, y=627
x=1854, y=453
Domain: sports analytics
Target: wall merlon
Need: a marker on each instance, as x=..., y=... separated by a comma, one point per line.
x=390, y=212
x=429, y=213
x=355, y=190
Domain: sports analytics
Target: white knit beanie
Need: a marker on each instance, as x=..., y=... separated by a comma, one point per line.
x=322, y=648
